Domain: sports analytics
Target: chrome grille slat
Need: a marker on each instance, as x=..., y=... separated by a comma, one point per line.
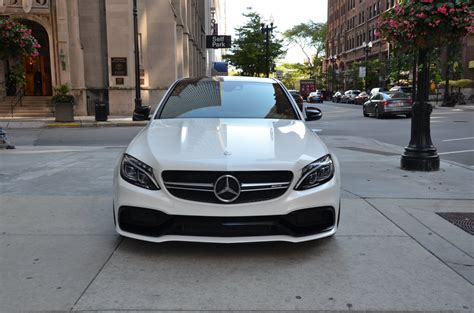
x=254, y=186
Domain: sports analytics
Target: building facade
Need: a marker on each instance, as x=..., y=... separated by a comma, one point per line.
x=351, y=23
x=89, y=44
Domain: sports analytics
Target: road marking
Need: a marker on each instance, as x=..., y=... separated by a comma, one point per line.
x=457, y=139
x=437, y=117
x=316, y=130
x=455, y=152
x=335, y=112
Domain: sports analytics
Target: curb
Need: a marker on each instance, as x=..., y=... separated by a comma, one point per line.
x=76, y=124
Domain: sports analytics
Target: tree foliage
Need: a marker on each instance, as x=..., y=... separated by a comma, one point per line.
x=310, y=37
x=248, y=48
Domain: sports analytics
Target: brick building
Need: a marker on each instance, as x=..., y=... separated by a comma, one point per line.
x=350, y=24
x=353, y=22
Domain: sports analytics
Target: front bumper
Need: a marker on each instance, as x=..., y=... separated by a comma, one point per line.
x=296, y=216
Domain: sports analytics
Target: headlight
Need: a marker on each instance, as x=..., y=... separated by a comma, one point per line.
x=138, y=173
x=316, y=173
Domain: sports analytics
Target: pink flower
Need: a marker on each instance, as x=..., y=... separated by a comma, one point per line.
x=443, y=10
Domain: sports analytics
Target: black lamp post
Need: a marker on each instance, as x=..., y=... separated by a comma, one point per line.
x=267, y=30
x=333, y=60
x=421, y=154
x=367, y=47
x=138, y=99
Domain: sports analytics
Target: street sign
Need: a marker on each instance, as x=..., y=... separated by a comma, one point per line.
x=218, y=42
x=362, y=71
x=279, y=74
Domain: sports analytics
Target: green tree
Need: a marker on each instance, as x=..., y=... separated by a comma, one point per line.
x=310, y=36
x=292, y=73
x=248, y=48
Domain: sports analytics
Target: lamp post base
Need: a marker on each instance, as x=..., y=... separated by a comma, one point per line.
x=423, y=161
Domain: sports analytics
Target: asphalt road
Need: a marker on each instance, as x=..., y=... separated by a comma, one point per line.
x=452, y=131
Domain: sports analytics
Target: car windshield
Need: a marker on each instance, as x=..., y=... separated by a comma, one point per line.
x=209, y=98
x=395, y=95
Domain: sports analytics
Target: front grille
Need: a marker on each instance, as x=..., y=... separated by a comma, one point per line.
x=154, y=223
x=255, y=185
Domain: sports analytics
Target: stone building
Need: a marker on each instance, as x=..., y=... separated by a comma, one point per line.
x=353, y=22
x=89, y=44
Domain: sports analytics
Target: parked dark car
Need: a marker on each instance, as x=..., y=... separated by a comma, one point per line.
x=298, y=98
x=361, y=98
x=388, y=103
x=349, y=96
x=315, y=96
x=337, y=97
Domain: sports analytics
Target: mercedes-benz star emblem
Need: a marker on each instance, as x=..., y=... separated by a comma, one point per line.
x=227, y=188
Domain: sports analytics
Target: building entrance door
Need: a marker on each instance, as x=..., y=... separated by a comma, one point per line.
x=38, y=69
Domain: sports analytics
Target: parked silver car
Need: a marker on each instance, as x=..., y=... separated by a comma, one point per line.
x=349, y=96
x=388, y=103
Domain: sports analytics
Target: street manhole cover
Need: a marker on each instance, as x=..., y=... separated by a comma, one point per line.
x=465, y=221
x=370, y=151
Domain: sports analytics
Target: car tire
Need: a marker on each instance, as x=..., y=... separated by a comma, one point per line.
x=408, y=115
x=377, y=113
x=364, y=112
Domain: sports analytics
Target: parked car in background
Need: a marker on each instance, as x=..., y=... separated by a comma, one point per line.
x=298, y=98
x=388, y=103
x=405, y=89
x=316, y=96
x=336, y=97
x=377, y=90
x=361, y=98
x=349, y=96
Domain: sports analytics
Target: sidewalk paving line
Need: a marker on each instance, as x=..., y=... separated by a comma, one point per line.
x=457, y=139
x=455, y=152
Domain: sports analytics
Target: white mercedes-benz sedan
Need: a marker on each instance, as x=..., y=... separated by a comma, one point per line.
x=227, y=159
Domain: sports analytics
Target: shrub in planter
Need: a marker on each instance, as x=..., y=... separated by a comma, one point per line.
x=63, y=104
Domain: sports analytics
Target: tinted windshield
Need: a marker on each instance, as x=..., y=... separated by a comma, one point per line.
x=207, y=98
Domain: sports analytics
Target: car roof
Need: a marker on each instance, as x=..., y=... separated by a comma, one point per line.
x=232, y=78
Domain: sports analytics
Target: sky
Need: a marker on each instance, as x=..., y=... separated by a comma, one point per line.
x=285, y=13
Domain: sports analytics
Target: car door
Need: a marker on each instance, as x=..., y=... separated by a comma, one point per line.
x=371, y=104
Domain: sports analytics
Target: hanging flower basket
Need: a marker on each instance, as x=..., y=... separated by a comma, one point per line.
x=16, y=39
x=424, y=24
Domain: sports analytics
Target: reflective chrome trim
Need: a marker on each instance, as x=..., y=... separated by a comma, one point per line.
x=279, y=184
x=189, y=188
x=264, y=189
x=190, y=184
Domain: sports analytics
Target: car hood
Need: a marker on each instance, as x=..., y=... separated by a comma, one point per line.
x=227, y=144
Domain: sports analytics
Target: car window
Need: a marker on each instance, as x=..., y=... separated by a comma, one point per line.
x=396, y=95
x=208, y=98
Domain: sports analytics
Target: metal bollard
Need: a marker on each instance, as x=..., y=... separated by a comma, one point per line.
x=4, y=141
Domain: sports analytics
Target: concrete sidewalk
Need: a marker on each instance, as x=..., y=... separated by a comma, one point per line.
x=392, y=253
x=79, y=121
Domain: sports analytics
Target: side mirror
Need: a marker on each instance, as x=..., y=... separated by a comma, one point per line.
x=141, y=113
x=313, y=114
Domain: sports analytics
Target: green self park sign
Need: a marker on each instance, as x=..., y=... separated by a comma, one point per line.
x=218, y=42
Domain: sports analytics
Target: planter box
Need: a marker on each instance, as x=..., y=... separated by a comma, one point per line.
x=64, y=111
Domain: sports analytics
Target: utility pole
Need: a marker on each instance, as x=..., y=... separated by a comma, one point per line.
x=367, y=47
x=138, y=99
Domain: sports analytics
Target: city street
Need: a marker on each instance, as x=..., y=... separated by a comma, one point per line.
x=393, y=253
